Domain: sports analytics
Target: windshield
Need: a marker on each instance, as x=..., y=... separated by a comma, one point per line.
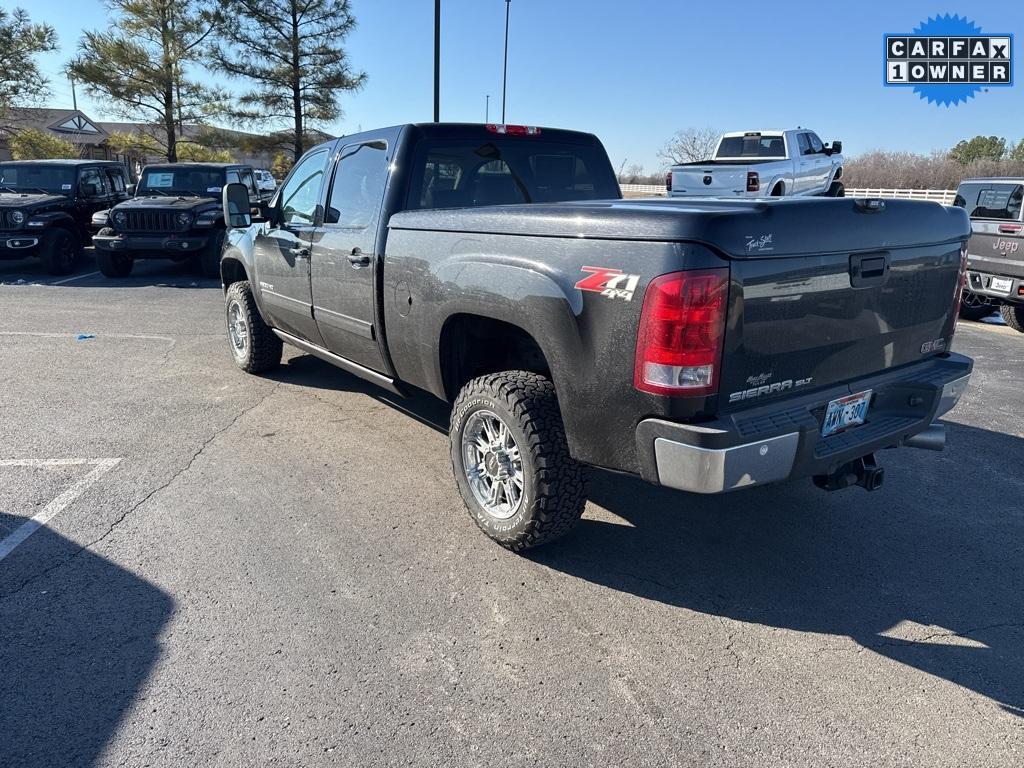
x=465, y=173
x=990, y=201
x=38, y=178
x=757, y=145
x=180, y=181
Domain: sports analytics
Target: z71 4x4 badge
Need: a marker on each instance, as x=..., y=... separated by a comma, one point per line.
x=610, y=283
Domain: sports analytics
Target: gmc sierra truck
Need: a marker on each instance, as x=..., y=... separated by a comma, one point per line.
x=995, y=252
x=763, y=164
x=707, y=346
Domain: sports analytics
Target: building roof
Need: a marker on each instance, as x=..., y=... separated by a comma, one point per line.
x=70, y=124
x=64, y=161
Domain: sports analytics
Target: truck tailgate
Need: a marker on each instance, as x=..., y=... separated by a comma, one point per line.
x=801, y=321
x=710, y=180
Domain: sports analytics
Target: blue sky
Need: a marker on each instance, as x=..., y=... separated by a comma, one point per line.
x=635, y=72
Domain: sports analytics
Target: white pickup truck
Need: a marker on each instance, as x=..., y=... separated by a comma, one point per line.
x=763, y=164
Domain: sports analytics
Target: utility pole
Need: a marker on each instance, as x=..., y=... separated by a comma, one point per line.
x=487, y=109
x=504, y=76
x=437, y=61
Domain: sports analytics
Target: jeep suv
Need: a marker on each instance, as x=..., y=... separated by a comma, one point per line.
x=995, y=253
x=175, y=214
x=46, y=207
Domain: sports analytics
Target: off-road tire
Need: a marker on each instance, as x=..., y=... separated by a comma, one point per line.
x=60, y=251
x=209, y=259
x=974, y=307
x=554, y=484
x=263, y=349
x=1013, y=314
x=112, y=263
x=836, y=189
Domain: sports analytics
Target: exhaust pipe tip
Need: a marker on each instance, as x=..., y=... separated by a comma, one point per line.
x=931, y=438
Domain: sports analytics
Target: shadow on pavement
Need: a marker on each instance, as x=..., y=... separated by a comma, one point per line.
x=944, y=551
x=146, y=273
x=308, y=371
x=76, y=647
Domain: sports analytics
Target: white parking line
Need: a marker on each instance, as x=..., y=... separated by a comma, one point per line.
x=61, y=502
x=69, y=279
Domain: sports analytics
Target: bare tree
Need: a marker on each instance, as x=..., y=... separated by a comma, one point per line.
x=690, y=146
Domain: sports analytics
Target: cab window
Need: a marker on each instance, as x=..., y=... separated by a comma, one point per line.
x=301, y=192
x=990, y=201
x=92, y=183
x=358, y=186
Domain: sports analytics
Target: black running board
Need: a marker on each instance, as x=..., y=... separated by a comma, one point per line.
x=342, y=362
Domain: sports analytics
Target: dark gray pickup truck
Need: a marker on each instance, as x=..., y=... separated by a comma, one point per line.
x=995, y=253
x=702, y=345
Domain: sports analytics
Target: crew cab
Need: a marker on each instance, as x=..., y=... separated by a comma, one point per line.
x=175, y=214
x=995, y=253
x=46, y=207
x=763, y=164
x=706, y=346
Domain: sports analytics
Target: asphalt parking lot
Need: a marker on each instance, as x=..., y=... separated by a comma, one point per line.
x=237, y=571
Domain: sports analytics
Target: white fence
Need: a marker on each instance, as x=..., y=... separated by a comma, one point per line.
x=944, y=196
x=638, y=190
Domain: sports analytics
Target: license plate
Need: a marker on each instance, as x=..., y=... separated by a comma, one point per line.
x=846, y=412
x=1001, y=285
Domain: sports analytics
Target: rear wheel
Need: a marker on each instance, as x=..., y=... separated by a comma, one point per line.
x=209, y=259
x=1013, y=314
x=511, y=460
x=254, y=346
x=60, y=250
x=975, y=307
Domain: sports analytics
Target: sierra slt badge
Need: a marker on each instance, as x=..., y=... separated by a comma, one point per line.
x=610, y=283
x=768, y=389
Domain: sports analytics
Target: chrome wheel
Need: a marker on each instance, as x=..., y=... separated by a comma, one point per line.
x=493, y=465
x=238, y=330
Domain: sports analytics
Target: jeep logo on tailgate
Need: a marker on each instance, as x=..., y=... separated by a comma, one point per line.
x=1005, y=246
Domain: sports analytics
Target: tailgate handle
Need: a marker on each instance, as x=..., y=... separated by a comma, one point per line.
x=1009, y=229
x=869, y=269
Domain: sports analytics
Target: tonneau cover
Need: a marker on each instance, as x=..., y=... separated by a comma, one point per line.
x=782, y=227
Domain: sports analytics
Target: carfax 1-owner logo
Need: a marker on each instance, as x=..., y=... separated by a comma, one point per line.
x=948, y=60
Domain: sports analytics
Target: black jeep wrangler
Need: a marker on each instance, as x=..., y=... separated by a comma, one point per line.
x=46, y=207
x=175, y=214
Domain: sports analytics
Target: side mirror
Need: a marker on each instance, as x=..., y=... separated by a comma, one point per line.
x=130, y=189
x=235, y=199
x=837, y=148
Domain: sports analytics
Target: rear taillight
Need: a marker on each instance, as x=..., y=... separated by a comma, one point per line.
x=961, y=284
x=514, y=130
x=668, y=181
x=753, y=181
x=682, y=326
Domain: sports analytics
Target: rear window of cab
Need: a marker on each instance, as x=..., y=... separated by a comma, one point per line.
x=988, y=200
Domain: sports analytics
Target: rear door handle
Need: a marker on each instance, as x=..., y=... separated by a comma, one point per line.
x=359, y=259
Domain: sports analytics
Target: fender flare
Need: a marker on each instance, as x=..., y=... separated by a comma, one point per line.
x=537, y=303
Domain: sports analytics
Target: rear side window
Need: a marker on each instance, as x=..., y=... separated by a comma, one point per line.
x=984, y=200
x=456, y=174
x=358, y=186
x=755, y=145
x=116, y=179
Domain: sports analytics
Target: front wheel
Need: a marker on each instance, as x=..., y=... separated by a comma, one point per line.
x=1013, y=314
x=836, y=189
x=254, y=346
x=511, y=460
x=60, y=250
x=114, y=264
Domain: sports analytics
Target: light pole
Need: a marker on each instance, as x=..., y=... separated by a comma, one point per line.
x=504, y=76
x=437, y=61
x=487, y=109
